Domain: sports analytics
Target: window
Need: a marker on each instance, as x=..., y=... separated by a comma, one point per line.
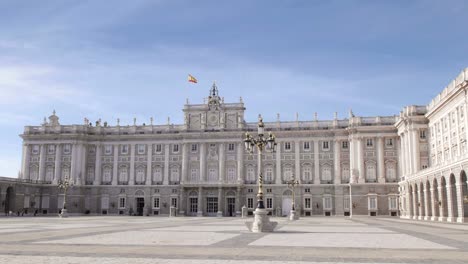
x=90, y=174
x=307, y=203
x=124, y=149
x=107, y=149
x=231, y=174
x=326, y=172
x=389, y=142
x=123, y=173
x=174, y=202
x=250, y=174
x=35, y=149
x=212, y=174
x=306, y=145
x=325, y=145
x=194, y=175
x=194, y=148
x=346, y=203
x=50, y=149
x=345, y=173
x=344, y=145
x=307, y=190
x=175, y=148
x=34, y=172
x=269, y=203
x=211, y=204
x=231, y=147
x=372, y=203
x=140, y=175
x=122, y=203
x=307, y=173
x=175, y=174
x=158, y=148
x=174, y=191
x=269, y=174
x=390, y=170
x=66, y=149
x=269, y=190
x=369, y=142
x=250, y=202
x=156, y=202
x=370, y=171
x=392, y=203
x=287, y=145
x=49, y=173
x=92, y=149
x=327, y=203
x=422, y=134
x=66, y=172
x=141, y=149
x=106, y=175
x=157, y=174
x=288, y=173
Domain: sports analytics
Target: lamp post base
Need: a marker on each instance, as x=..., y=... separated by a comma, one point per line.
x=293, y=215
x=261, y=222
x=64, y=213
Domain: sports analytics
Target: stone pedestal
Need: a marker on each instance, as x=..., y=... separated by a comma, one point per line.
x=245, y=212
x=64, y=213
x=293, y=215
x=261, y=222
x=172, y=211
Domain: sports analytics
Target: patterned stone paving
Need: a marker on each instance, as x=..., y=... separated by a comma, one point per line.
x=124, y=239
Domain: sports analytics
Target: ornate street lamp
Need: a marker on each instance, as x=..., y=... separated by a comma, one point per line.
x=291, y=185
x=64, y=185
x=261, y=221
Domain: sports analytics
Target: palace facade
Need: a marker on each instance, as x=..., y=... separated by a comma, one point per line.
x=385, y=165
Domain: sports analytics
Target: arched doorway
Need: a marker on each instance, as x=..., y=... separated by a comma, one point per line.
x=140, y=202
x=410, y=202
x=464, y=194
x=231, y=203
x=428, y=201
x=10, y=200
x=435, y=201
x=453, y=197
x=443, y=199
x=287, y=202
x=193, y=203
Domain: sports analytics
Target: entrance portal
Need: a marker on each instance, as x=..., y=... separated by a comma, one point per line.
x=231, y=206
x=140, y=204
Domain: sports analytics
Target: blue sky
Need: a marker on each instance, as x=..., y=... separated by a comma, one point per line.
x=125, y=59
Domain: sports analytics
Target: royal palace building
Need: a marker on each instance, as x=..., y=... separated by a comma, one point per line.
x=409, y=165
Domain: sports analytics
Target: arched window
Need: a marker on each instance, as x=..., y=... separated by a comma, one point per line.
x=269, y=173
x=49, y=173
x=231, y=174
x=123, y=174
x=212, y=174
x=175, y=174
x=326, y=172
x=140, y=174
x=34, y=173
x=106, y=174
x=250, y=174
x=370, y=171
x=194, y=175
x=288, y=174
x=307, y=173
x=345, y=173
x=90, y=174
x=157, y=174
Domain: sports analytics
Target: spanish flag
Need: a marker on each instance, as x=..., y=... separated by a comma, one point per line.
x=192, y=79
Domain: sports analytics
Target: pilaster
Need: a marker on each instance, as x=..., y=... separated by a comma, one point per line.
x=278, y=165
x=240, y=163
x=220, y=204
x=25, y=161
x=360, y=156
x=42, y=161
x=297, y=153
x=316, y=162
x=132, y=164
x=202, y=162
x=58, y=163
x=115, y=165
x=184, y=162
x=222, y=170
x=200, y=202
x=149, y=160
x=97, y=166
x=337, y=161
x=74, y=161
x=380, y=160
x=166, y=164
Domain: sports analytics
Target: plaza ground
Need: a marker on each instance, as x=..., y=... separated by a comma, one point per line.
x=125, y=239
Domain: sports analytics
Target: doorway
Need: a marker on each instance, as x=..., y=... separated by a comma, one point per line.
x=231, y=206
x=140, y=205
x=193, y=205
x=286, y=206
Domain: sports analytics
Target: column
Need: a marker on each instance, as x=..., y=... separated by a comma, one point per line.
x=460, y=204
x=433, y=204
x=166, y=164
x=420, y=204
x=58, y=163
x=399, y=171
x=352, y=160
x=222, y=170
x=416, y=151
x=337, y=162
x=132, y=164
x=449, y=188
x=42, y=161
x=316, y=162
x=442, y=216
x=403, y=159
x=426, y=204
x=240, y=164
x=149, y=162
x=278, y=179
x=297, y=160
x=380, y=160
x=200, y=201
x=202, y=162
x=184, y=162
x=25, y=161
x=360, y=156
x=115, y=165
x=415, y=205
x=97, y=166
x=220, y=197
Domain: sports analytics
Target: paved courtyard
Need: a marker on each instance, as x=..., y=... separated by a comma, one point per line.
x=123, y=239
